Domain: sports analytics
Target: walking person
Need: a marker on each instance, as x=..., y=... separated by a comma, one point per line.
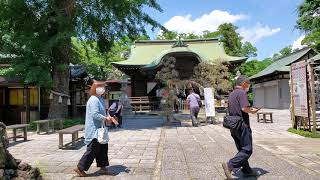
x=95, y=116
x=115, y=110
x=239, y=106
x=193, y=100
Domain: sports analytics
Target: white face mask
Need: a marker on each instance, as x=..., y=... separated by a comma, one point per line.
x=100, y=90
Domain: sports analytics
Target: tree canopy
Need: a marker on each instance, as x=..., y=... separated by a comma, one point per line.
x=283, y=52
x=39, y=36
x=253, y=67
x=309, y=22
x=232, y=41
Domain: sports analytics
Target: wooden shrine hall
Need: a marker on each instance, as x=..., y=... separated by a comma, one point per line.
x=146, y=59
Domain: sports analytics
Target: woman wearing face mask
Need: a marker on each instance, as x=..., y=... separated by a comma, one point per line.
x=95, y=116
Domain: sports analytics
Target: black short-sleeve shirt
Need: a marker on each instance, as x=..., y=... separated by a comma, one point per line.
x=238, y=99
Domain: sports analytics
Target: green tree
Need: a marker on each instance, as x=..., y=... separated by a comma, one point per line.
x=208, y=34
x=248, y=50
x=232, y=41
x=189, y=36
x=214, y=75
x=309, y=22
x=226, y=33
x=40, y=36
x=253, y=67
x=168, y=75
x=167, y=35
x=230, y=38
x=282, y=53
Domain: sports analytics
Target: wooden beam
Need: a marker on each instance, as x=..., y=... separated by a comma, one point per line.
x=312, y=98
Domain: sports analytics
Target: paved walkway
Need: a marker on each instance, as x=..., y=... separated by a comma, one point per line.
x=144, y=149
x=132, y=152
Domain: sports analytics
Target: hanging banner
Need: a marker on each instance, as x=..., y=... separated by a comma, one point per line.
x=150, y=86
x=209, y=102
x=299, y=91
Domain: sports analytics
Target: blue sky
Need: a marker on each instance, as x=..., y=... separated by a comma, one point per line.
x=268, y=24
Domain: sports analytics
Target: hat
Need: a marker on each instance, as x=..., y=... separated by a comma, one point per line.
x=241, y=79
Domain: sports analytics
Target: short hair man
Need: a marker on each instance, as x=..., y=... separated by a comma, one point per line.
x=192, y=101
x=239, y=106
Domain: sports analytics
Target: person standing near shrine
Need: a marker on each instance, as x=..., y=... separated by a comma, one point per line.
x=115, y=110
x=193, y=100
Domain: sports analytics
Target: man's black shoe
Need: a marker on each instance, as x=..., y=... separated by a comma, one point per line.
x=249, y=174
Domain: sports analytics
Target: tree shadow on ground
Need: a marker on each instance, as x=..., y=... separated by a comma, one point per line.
x=13, y=143
x=259, y=171
x=116, y=170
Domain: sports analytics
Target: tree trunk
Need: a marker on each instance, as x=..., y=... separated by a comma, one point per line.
x=61, y=55
x=60, y=77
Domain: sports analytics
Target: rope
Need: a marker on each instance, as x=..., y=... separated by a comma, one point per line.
x=60, y=94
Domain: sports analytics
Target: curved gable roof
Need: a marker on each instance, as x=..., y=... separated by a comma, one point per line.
x=150, y=53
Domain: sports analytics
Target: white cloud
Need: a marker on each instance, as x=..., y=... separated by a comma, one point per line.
x=258, y=32
x=297, y=43
x=210, y=22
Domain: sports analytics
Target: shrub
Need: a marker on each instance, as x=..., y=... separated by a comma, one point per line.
x=66, y=123
x=304, y=133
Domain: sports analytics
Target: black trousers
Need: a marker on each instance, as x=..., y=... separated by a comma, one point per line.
x=243, y=141
x=97, y=151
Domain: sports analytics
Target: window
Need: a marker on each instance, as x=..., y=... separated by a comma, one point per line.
x=34, y=98
x=16, y=96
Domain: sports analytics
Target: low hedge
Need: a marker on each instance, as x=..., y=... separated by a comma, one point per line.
x=304, y=133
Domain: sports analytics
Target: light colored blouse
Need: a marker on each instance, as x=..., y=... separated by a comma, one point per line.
x=95, y=114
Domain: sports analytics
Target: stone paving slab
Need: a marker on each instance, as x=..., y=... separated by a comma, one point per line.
x=197, y=153
x=144, y=149
x=132, y=152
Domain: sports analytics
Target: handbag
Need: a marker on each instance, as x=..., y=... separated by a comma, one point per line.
x=103, y=135
x=232, y=122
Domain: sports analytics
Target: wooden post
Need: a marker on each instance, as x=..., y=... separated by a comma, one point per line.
x=60, y=140
x=312, y=98
x=38, y=128
x=293, y=118
x=25, y=133
x=14, y=134
x=28, y=105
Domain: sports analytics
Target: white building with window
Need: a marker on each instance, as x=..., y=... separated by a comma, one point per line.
x=271, y=85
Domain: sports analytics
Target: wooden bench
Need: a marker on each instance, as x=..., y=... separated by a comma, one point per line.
x=264, y=115
x=47, y=123
x=74, y=130
x=18, y=126
x=141, y=103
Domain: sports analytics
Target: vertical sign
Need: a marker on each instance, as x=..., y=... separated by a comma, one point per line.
x=299, y=87
x=209, y=102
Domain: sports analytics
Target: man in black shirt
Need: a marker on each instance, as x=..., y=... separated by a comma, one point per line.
x=239, y=106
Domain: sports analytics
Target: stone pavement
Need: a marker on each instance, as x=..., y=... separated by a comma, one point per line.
x=297, y=150
x=144, y=149
x=132, y=152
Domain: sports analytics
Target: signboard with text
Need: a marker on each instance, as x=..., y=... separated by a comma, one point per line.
x=299, y=89
x=209, y=102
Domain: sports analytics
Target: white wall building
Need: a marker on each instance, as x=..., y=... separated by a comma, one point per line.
x=271, y=85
